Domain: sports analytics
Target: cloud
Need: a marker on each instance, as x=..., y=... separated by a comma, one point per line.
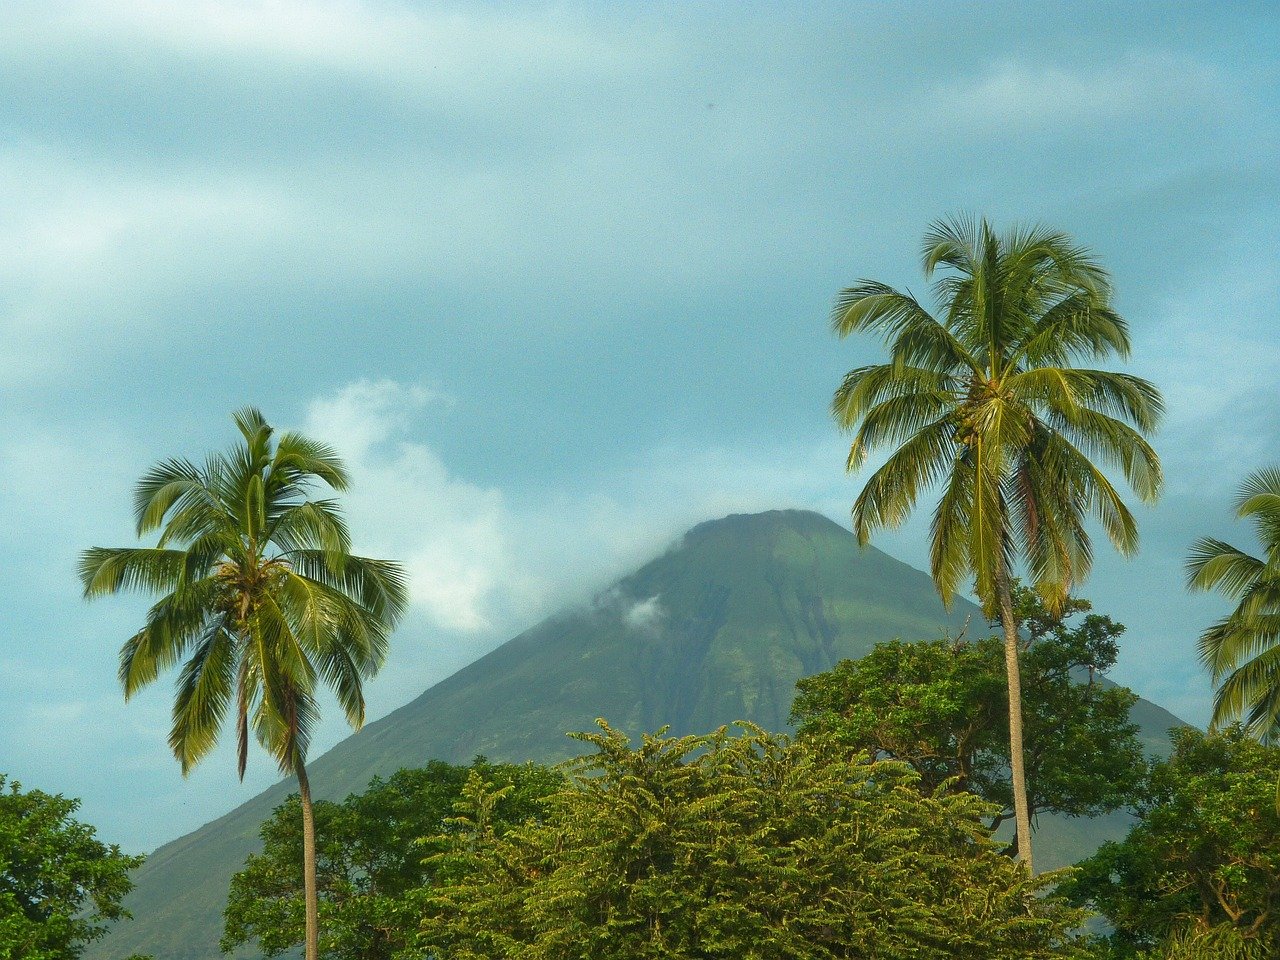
x=96, y=258
x=645, y=616
x=1020, y=93
x=387, y=42
x=480, y=561
x=451, y=535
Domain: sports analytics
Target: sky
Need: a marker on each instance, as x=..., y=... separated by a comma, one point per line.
x=555, y=280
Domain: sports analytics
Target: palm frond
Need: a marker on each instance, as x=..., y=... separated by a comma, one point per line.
x=1076, y=325
x=949, y=560
x=204, y=690
x=1047, y=505
x=873, y=307
x=1217, y=565
x=1259, y=500
x=1117, y=395
x=164, y=485
x=1089, y=491
x=1113, y=441
x=174, y=623
x=253, y=428
x=300, y=457
x=379, y=586
x=109, y=570
x=1234, y=640
x=1251, y=692
x=865, y=387
x=932, y=346
x=950, y=242
x=899, y=418
x=891, y=492
x=315, y=525
x=990, y=540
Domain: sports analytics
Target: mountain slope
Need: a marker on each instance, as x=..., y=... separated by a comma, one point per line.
x=717, y=629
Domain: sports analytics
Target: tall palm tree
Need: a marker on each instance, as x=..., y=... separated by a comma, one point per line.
x=985, y=402
x=262, y=602
x=1242, y=650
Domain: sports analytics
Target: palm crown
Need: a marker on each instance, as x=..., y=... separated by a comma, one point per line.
x=1243, y=649
x=986, y=401
x=262, y=597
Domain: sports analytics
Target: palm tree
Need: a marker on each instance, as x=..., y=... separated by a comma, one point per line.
x=984, y=401
x=1242, y=651
x=262, y=601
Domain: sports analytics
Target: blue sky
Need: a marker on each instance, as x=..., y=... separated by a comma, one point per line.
x=555, y=280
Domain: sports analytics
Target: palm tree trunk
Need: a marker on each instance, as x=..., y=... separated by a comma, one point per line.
x=1021, y=811
x=309, y=864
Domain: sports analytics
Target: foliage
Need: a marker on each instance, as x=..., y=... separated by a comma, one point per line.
x=1202, y=865
x=58, y=882
x=262, y=598
x=941, y=706
x=735, y=846
x=371, y=852
x=260, y=594
x=987, y=401
x=1242, y=651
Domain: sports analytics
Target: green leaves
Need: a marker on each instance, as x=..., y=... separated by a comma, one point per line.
x=1242, y=651
x=58, y=882
x=258, y=591
x=735, y=845
x=941, y=706
x=988, y=398
x=376, y=853
x=107, y=570
x=1199, y=874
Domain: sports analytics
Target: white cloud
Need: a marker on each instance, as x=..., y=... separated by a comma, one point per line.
x=1017, y=92
x=645, y=615
x=95, y=254
x=451, y=535
x=459, y=54
x=483, y=565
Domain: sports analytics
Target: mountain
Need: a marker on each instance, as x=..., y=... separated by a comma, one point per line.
x=717, y=629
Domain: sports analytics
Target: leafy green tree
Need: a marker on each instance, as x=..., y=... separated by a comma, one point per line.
x=1243, y=649
x=371, y=854
x=260, y=596
x=735, y=846
x=1199, y=874
x=987, y=402
x=940, y=707
x=58, y=882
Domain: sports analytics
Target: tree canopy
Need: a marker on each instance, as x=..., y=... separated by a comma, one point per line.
x=940, y=706
x=372, y=850
x=59, y=883
x=1199, y=874
x=261, y=601
x=986, y=400
x=734, y=846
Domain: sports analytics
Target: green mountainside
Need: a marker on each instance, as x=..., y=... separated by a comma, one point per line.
x=717, y=629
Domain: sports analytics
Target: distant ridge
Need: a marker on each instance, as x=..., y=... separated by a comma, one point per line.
x=716, y=629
